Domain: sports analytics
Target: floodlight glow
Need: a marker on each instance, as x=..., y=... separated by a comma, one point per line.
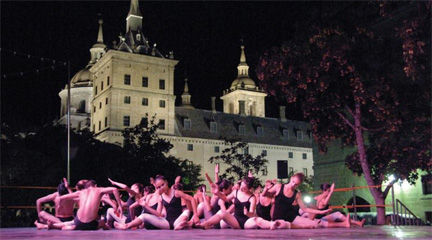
x=307, y=199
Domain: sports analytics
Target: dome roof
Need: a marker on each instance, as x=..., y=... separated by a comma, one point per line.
x=239, y=81
x=82, y=78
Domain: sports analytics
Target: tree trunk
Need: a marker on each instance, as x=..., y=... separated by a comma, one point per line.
x=377, y=194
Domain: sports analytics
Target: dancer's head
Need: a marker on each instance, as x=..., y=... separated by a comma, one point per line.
x=296, y=180
x=202, y=188
x=224, y=186
x=148, y=189
x=81, y=184
x=161, y=184
x=247, y=184
x=178, y=186
x=90, y=183
x=61, y=189
x=137, y=187
x=325, y=188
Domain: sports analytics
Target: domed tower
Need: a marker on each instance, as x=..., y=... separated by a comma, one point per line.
x=244, y=97
x=81, y=89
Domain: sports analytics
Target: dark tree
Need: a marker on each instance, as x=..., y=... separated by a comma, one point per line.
x=346, y=83
x=239, y=161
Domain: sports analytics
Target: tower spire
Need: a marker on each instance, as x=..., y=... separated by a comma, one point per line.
x=98, y=49
x=134, y=17
x=186, y=97
x=100, y=33
x=243, y=68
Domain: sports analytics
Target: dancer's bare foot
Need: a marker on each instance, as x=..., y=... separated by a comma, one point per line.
x=40, y=226
x=361, y=223
x=50, y=225
x=203, y=225
x=181, y=226
x=348, y=221
x=120, y=226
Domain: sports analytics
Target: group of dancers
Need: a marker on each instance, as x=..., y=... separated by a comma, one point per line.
x=160, y=206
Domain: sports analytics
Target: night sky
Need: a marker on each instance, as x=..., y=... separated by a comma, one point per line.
x=205, y=38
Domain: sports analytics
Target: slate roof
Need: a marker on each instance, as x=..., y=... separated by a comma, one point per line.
x=228, y=127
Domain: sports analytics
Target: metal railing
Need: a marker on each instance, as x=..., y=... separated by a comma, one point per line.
x=404, y=216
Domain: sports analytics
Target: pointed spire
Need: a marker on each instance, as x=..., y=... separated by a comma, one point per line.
x=134, y=17
x=98, y=49
x=186, y=97
x=242, y=56
x=186, y=87
x=134, y=9
x=100, y=34
x=243, y=68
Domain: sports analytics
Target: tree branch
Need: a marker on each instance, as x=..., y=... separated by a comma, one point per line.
x=345, y=120
x=372, y=130
x=350, y=111
x=387, y=189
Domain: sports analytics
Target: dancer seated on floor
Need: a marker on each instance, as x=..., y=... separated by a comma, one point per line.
x=244, y=209
x=322, y=203
x=210, y=208
x=288, y=201
x=63, y=211
x=175, y=218
x=135, y=193
x=149, y=203
x=87, y=217
x=265, y=201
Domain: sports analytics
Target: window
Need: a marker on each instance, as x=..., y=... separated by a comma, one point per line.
x=264, y=171
x=242, y=129
x=190, y=147
x=145, y=81
x=187, y=123
x=162, y=124
x=162, y=103
x=106, y=121
x=161, y=84
x=290, y=155
x=94, y=127
x=144, y=122
x=264, y=152
x=82, y=106
x=426, y=181
x=127, y=99
x=291, y=171
x=108, y=80
x=95, y=90
x=102, y=86
x=299, y=136
x=145, y=101
x=246, y=150
x=285, y=134
x=127, y=79
x=106, y=101
x=216, y=149
x=100, y=105
x=126, y=121
x=100, y=125
x=304, y=155
x=213, y=126
x=305, y=171
x=94, y=109
x=260, y=131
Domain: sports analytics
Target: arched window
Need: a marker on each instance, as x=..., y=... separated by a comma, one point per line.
x=82, y=106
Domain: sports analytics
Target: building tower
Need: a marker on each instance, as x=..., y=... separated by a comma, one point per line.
x=132, y=82
x=244, y=97
x=81, y=91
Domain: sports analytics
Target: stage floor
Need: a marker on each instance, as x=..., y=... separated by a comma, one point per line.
x=369, y=232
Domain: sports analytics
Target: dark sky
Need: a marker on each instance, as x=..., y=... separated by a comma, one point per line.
x=205, y=38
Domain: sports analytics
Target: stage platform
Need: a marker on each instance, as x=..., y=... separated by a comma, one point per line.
x=368, y=232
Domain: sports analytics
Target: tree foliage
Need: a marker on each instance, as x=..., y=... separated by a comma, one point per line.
x=349, y=87
x=239, y=161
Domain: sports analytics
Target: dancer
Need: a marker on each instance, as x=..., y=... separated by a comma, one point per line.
x=135, y=193
x=87, y=217
x=63, y=209
x=288, y=201
x=322, y=203
x=265, y=202
x=171, y=199
x=244, y=209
